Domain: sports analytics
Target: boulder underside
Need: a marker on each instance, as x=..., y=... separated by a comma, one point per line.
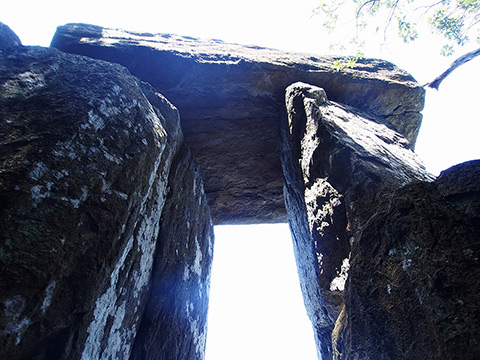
x=231, y=101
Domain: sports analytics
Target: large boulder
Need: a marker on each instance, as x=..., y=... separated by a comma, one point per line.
x=414, y=284
x=231, y=101
x=340, y=166
x=85, y=167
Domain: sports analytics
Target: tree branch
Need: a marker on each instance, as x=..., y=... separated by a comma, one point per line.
x=460, y=61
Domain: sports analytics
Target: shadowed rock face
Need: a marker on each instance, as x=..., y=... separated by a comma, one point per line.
x=413, y=289
x=85, y=156
x=230, y=99
x=341, y=166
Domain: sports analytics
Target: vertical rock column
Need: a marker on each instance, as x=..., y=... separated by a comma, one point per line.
x=340, y=166
x=175, y=321
x=85, y=167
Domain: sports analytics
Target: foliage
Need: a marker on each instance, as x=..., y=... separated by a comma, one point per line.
x=340, y=64
x=456, y=20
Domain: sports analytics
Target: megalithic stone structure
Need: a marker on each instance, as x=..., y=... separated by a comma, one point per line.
x=109, y=193
x=231, y=100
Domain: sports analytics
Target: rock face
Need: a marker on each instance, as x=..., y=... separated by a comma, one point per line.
x=174, y=325
x=8, y=39
x=85, y=154
x=340, y=167
x=413, y=289
x=230, y=99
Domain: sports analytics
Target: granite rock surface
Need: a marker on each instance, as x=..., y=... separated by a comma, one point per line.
x=85, y=160
x=414, y=284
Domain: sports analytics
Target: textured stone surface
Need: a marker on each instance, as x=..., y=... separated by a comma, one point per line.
x=8, y=39
x=414, y=283
x=231, y=101
x=175, y=320
x=340, y=166
x=105, y=235
x=85, y=153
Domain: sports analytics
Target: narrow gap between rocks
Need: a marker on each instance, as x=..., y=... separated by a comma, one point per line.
x=256, y=307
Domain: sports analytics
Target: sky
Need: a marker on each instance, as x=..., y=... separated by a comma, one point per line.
x=254, y=281
x=256, y=306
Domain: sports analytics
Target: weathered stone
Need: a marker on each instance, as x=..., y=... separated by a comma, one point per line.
x=85, y=153
x=414, y=284
x=340, y=167
x=8, y=39
x=175, y=320
x=105, y=235
x=231, y=101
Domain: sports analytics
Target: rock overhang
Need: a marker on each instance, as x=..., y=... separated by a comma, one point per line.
x=231, y=101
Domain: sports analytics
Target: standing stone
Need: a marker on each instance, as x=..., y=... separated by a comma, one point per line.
x=340, y=167
x=174, y=325
x=85, y=155
x=231, y=101
x=414, y=284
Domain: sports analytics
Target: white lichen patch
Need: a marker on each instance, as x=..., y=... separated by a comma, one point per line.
x=107, y=109
x=197, y=267
x=120, y=194
x=48, y=296
x=468, y=252
x=389, y=289
x=406, y=263
x=16, y=325
x=116, y=338
x=111, y=157
x=94, y=122
x=199, y=335
x=23, y=84
x=209, y=240
x=104, y=307
x=338, y=283
x=145, y=235
x=65, y=149
x=76, y=202
x=186, y=273
x=40, y=192
x=38, y=171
